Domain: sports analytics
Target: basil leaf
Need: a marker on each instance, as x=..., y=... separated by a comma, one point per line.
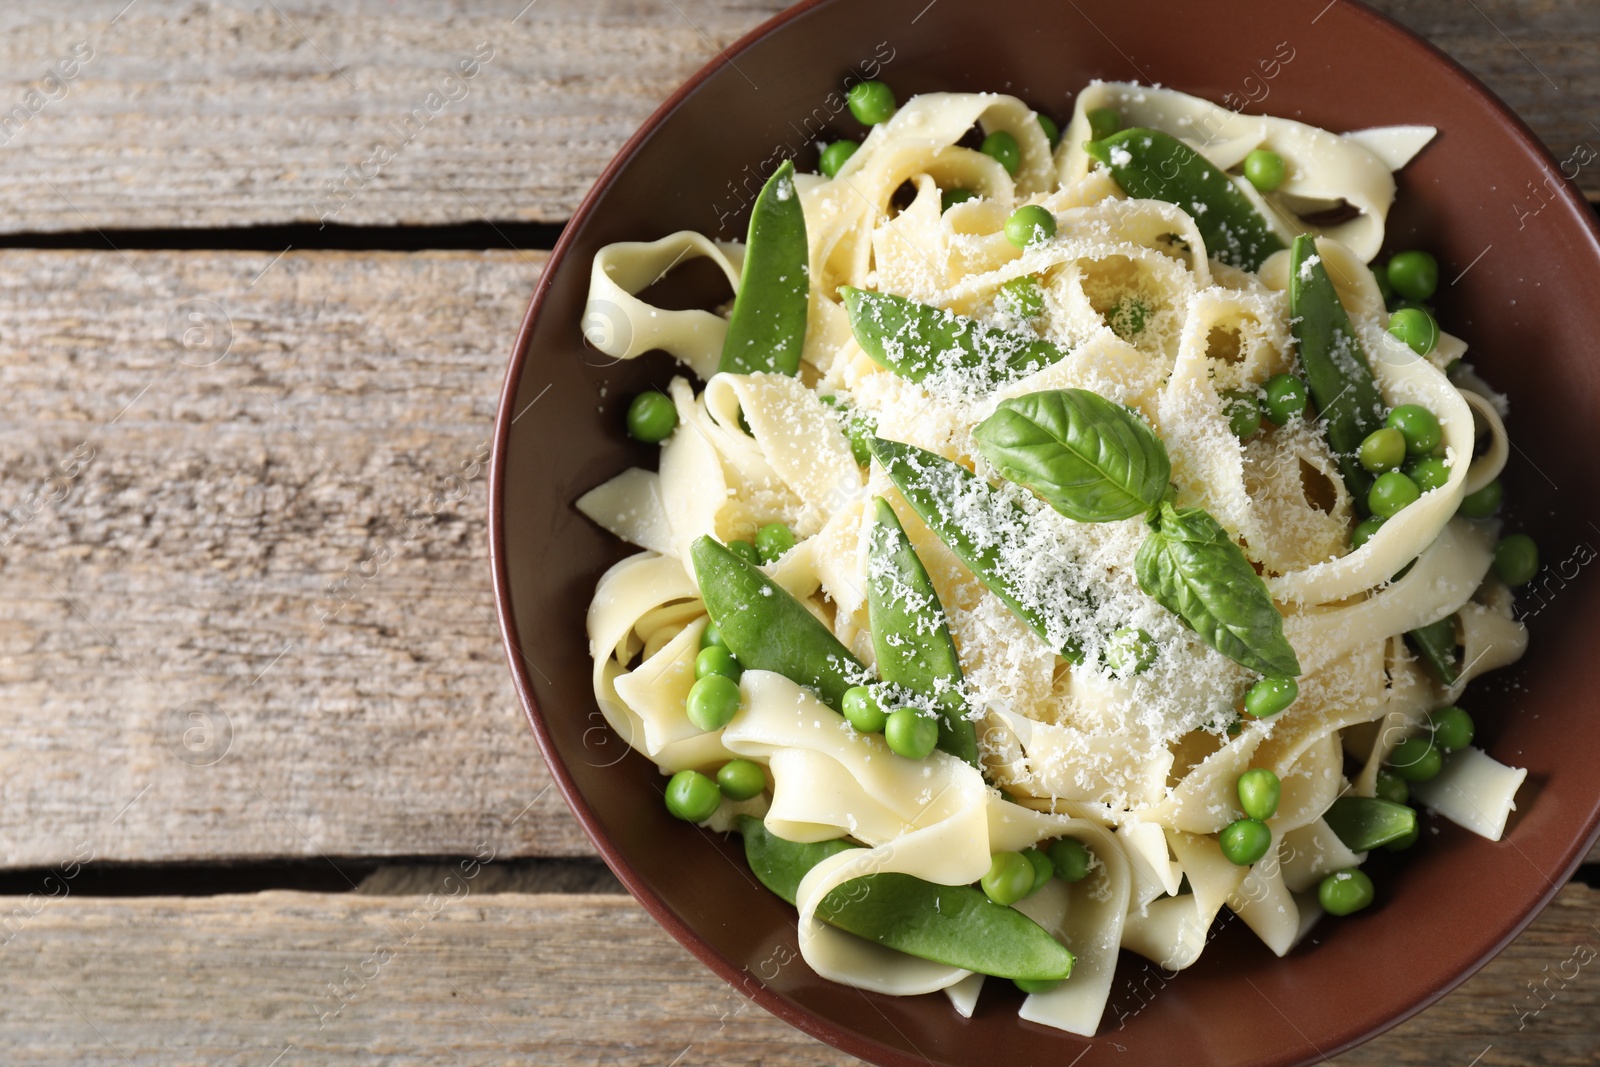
x=973, y=519
x=916, y=340
x=1192, y=568
x=1336, y=366
x=1091, y=459
x=767, y=328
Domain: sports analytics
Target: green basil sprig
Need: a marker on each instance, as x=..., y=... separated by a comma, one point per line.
x=1191, y=567
x=1096, y=461
x=915, y=340
x=767, y=328
x=1091, y=459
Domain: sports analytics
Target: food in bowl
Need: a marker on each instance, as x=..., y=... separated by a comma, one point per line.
x=1069, y=541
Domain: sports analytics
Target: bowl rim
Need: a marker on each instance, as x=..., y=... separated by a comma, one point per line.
x=763, y=995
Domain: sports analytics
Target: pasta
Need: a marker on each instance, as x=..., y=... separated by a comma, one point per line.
x=1100, y=712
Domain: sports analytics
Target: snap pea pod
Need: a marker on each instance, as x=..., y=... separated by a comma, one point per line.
x=915, y=340
x=938, y=490
x=767, y=329
x=1152, y=165
x=1349, y=404
x=1364, y=823
x=953, y=925
x=910, y=633
x=779, y=864
x=767, y=629
x=1437, y=644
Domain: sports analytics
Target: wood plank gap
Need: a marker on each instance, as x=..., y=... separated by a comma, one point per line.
x=364, y=875
x=482, y=236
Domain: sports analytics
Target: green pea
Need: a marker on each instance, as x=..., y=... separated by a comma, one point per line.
x=713, y=700
x=1037, y=985
x=1264, y=169
x=1392, y=787
x=871, y=102
x=745, y=551
x=1416, y=759
x=910, y=733
x=951, y=197
x=1043, y=869
x=1345, y=892
x=717, y=660
x=1286, y=398
x=1103, y=122
x=1259, y=791
x=1421, y=429
x=1516, y=559
x=1130, y=651
x=1418, y=329
x=1022, y=296
x=1003, y=147
x=1429, y=472
x=835, y=156
x=1070, y=859
x=1414, y=275
x=773, y=540
x=692, y=797
x=711, y=636
x=1391, y=494
x=1030, y=224
x=1243, y=411
x=1383, y=450
x=864, y=711
x=652, y=417
x=1364, y=531
x=1269, y=696
x=740, y=779
x=1009, y=879
x=1245, y=841
x=1400, y=844
x=1453, y=728
x=1052, y=132
x=1485, y=502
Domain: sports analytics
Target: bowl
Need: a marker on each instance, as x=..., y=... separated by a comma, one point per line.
x=1520, y=264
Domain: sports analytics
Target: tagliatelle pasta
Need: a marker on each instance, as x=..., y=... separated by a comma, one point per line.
x=1138, y=755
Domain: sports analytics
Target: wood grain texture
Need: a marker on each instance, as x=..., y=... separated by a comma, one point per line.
x=476, y=978
x=208, y=498
x=193, y=114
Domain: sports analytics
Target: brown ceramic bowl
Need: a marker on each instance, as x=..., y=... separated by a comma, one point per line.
x=1518, y=285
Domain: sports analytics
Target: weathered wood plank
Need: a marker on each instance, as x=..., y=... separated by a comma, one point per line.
x=208, y=114
x=553, y=980
x=206, y=508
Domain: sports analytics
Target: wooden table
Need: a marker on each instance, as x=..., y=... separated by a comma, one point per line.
x=255, y=704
